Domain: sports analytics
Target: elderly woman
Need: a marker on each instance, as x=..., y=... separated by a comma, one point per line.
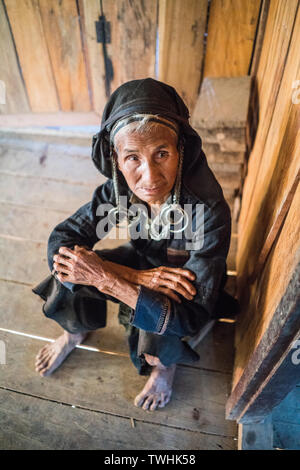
x=168, y=289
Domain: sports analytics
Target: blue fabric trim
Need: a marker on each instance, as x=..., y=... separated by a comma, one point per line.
x=150, y=311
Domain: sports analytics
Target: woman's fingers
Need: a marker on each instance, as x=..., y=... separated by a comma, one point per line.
x=61, y=268
x=63, y=260
x=164, y=278
x=170, y=293
x=67, y=252
x=181, y=271
x=177, y=287
x=178, y=278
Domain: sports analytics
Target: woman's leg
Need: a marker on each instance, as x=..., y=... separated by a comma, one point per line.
x=76, y=312
x=162, y=353
x=158, y=389
x=52, y=355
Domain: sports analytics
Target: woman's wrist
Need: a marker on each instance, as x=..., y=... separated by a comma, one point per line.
x=106, y=277
x=128, y=274
x=117, y=287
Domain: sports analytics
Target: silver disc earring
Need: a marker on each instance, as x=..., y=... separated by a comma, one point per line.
x=180, y=215
x=118, y=209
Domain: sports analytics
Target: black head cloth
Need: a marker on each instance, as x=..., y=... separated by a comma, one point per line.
x=150, y=96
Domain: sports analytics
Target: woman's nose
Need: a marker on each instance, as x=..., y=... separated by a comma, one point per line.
x=150, y=174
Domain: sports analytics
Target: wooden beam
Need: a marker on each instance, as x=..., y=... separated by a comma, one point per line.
x=33, y=423
x=27, y=28
x=89, y=13
x=259, y=37
x=181, y=30
x=113, y=393
x=256, y=368
x=268, y=80
x=133, y=39
x=282, y=380
x=16, y=100
x=278, y=170
x=62, y=34
x=230, y=38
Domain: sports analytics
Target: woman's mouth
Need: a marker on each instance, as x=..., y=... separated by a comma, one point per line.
x=152, y=190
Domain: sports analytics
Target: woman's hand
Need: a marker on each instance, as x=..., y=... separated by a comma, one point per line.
x=80, y=266
x=167, y=280
x=83, y=266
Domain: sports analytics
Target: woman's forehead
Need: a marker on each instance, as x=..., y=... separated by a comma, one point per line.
x=153, y=136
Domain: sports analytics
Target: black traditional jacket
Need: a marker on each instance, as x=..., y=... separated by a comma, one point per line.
x=154, y=311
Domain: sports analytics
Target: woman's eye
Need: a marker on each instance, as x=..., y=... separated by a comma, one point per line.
x=162, y=154
x=132, y=158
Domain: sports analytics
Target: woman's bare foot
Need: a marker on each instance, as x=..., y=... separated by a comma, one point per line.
x=158, y=389
x=52, y=355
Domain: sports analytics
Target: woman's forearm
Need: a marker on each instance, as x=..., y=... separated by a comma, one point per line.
x=168, y=281
x=121, y=289
x=126, y=273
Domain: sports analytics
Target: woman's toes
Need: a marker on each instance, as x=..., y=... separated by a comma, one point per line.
x=154, y=404
x=47, y=355
x=164, y=400
x=147, y=402
x=40, y=359
x=139, y=399
x=43, y=372
x=43, y=350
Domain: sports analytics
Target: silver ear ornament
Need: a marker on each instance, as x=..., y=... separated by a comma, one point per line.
x=163, y=218
x=118, y=209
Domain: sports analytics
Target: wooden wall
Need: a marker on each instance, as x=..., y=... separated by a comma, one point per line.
x=51, y=60
x=268, y=243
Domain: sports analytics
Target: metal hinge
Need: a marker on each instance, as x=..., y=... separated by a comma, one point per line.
x=103, y=30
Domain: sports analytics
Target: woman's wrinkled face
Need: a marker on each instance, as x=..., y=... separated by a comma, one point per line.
x=148, y=162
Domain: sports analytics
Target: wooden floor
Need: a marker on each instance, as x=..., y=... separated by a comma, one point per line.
x=280, y=430
x=88, y=402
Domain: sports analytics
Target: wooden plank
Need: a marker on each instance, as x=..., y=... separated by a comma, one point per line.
x=257, y=436
x=89, y=13
x=32, y=49
x=286, y=436
x=288, y=411
x=279, y=377
x=275, y=224
x=28, y=223
x=109, y=384
x=180, y=60
x=264, y=298
x=279, y=168
x=62, y=34
x=280, y=430
x=133, y=39
x=216, y=349
x=230, y=37
x=34, y=424
x=18, y=262
x=44, y=193
x=256, y=329
x=260, y=32
x=269, y=324
x=16, y=298
x=286, y=421
x=272, y=64
x=51, y=162
x=223, y=103
x=30, y=269
x=15, y=93
x=215, y=155
x=59, y=119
